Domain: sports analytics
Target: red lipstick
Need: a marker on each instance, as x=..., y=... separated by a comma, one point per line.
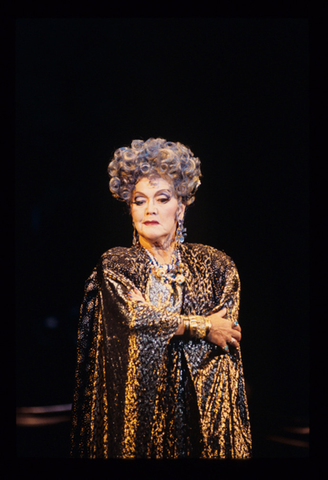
x=153, y=222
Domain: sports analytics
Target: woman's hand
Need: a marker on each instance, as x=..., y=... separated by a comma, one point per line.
x=222, y=333
x=136, y=296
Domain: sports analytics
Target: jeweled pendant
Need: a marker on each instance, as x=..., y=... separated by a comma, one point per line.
x=180, y=279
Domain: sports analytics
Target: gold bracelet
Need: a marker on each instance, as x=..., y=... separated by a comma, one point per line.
x=193, y=326
x=201, y=327
x=208, y=325
x=197, y=326
x=187, y=327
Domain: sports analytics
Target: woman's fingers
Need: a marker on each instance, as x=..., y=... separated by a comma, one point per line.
x=135, y=295
x=223, y=332
x=236, y=326
x=236, y=335
x=233, y=342
x=222, y=312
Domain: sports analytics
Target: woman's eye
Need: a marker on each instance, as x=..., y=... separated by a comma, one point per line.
x=141, y=201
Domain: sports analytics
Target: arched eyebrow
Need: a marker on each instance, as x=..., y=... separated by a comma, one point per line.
x=159, y=192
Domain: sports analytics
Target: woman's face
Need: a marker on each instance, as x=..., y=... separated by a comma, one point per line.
x=155, y=210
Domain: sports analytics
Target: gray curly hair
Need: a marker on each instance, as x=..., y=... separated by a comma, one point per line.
x=154, y=158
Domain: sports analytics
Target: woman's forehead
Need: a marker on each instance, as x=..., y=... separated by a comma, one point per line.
x=153, y=184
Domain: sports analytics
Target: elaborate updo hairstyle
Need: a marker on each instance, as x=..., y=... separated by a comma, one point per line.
x=154, y=158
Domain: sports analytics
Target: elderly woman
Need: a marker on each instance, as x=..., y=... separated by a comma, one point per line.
x=159, y=371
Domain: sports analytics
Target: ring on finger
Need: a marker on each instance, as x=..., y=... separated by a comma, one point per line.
x=232, y=340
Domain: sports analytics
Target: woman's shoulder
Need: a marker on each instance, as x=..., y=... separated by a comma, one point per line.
x=211, y=259
x=116, y=252
x=125, y=261
x=118, y=256
x=201, y=251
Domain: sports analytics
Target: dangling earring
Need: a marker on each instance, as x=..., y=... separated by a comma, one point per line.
x=180, y=233
x=135, y=238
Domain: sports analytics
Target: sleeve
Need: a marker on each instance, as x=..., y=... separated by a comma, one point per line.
x=219, y=378
x=226, y=287
x=134, y=316
x=86, y=369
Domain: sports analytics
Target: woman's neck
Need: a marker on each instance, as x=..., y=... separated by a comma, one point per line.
x=162, y=253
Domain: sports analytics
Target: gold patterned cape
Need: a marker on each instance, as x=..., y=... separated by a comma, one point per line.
x=141, y=391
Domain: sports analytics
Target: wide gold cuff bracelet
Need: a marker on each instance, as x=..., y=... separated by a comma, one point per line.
x=197, y=326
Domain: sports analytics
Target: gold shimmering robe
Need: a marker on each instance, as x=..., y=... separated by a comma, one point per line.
x=141, y=391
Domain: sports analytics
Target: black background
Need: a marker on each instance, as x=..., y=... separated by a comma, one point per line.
x=235, y=90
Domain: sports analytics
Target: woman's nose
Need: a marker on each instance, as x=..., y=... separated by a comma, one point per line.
x=151, y=209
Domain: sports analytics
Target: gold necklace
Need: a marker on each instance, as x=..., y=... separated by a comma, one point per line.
x=171, y=273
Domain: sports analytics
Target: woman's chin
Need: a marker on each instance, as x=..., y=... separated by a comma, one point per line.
x=158, y=240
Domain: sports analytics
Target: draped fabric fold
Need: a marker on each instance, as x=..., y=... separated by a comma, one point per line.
x=141, y=391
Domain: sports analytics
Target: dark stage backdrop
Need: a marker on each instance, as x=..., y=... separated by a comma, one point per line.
x=236, y=92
